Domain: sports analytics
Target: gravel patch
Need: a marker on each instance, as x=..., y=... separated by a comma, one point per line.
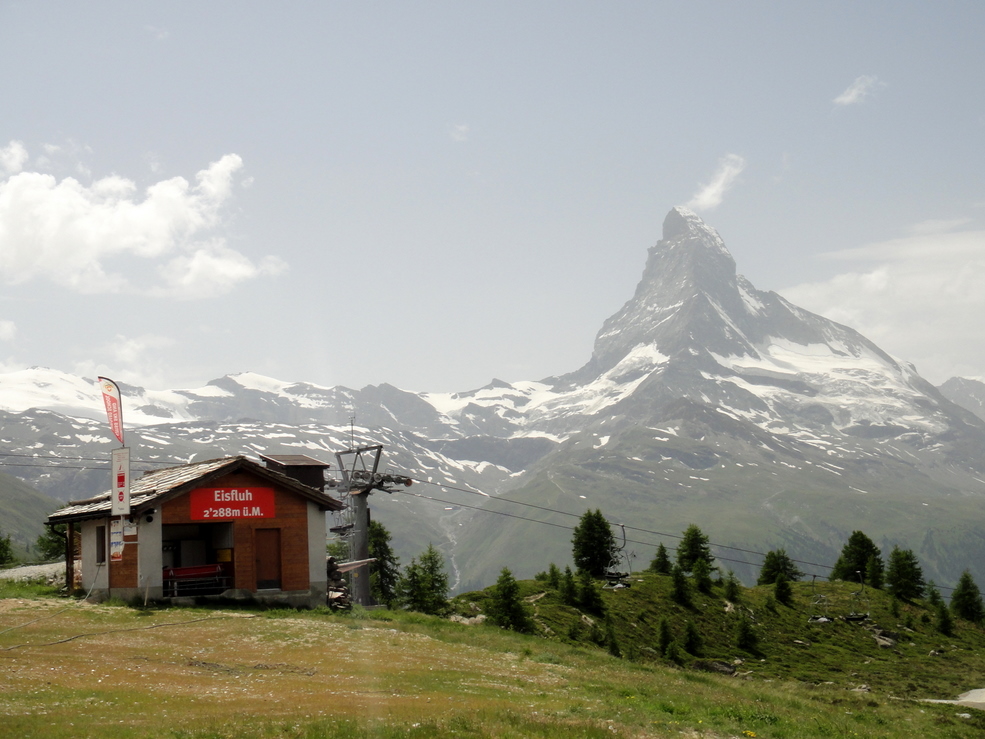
x=50, y=572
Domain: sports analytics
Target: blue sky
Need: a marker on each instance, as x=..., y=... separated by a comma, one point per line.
x=436, y=194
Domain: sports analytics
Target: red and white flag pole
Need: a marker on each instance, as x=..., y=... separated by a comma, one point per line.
x=121, y=457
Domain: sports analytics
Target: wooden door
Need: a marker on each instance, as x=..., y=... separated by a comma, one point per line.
x=267, y=548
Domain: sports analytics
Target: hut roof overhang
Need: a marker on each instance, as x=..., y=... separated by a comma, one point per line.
x=156, y=487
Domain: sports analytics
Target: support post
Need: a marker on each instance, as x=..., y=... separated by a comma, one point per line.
x=360, y=547
x=70, y=556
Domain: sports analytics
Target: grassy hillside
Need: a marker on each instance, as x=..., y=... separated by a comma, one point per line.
x=24, y=512
x=890, y=652
x=75, y=669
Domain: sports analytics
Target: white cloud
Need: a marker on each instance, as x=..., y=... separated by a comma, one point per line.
x=84, y=237
x=858, y=91
x=460, y=132
x=8, y=330
x=917, y=297
x=710, y=196
x=13, y=157
x=135, y=360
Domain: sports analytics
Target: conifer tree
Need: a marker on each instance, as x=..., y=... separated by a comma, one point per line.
x=661, y=562
x=6, y=551
x=51, y=543
x=568, y=590
x=775, y=563
x=702, y=576
x=732, y=590
x=589, y=597
x=593, y=545
x=424, y=585
x=692, y=639
x=966, y=600
x=611, y=642
x=554, y=576
x=506, y=608
x=874, y=572
x=664, y=637
x=679, y=590
x=904, y=577
x=384, y=573
x=854, y=558
x=945, y=624
x=745, y=637
x=782, y=590
x=933, y=594
x=693, y=547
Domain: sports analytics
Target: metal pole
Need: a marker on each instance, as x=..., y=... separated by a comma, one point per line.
x=360, y=547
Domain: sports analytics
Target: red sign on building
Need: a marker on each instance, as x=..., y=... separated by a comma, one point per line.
x=208, y=504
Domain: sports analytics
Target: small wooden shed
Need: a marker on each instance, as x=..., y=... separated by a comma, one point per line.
x=226, y=527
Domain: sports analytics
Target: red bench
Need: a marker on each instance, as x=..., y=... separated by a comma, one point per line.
x=196, y=580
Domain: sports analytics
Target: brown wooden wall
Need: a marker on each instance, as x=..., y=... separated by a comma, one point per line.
x=291, y=518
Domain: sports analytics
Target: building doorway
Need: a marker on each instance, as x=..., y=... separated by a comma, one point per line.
x=267, y=548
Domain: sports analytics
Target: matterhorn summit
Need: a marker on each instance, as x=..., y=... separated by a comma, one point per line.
x=705, y=400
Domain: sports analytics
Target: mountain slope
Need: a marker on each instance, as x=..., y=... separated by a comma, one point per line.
x=765, y=424
x=24, y=510
x=705, y=400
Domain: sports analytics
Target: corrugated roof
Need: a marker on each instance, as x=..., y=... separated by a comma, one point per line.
x=159, y=485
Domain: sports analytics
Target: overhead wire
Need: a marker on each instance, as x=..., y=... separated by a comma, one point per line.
x=633, y=528
x=471, y=491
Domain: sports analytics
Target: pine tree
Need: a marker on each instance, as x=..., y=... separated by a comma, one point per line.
x=6, y=551
x=424, y=585
x=506, y=608
x=589, y=597
x=702, y=576
x=874, y=571
x=933, y=594
x=854, y=558
x=568, y=590
x=384, y=573
x=732, y=590
x=782, y=590
x=904, y=575
x=611, y=642
x=679, y=590
x=593, y=545
x=692, y=639
x=661, y=562
x=693, y=547
x=745, y=637
x=664, y=637
x=966, y=600
x=945, y=624
x=775, y=563
x=554, y=576
x=51, y=543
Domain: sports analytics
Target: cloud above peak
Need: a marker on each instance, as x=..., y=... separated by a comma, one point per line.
x=85, y=237
x=710, y=195
x=858, y=91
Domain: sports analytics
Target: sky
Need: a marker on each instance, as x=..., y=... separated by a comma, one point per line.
x=436, y=194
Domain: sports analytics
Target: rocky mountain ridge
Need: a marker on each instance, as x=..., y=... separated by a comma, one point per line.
x=705, y=400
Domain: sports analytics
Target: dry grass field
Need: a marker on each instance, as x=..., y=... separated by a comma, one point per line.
x=73, y=669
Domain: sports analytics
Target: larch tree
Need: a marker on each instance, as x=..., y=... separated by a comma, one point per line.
x=593, y=545
x=693, y=547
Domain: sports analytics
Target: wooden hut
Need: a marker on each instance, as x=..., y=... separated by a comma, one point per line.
x=227, y=527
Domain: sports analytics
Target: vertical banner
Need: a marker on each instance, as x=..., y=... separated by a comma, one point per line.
x=116, y=540
x=120, y=488
x=114, y=406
